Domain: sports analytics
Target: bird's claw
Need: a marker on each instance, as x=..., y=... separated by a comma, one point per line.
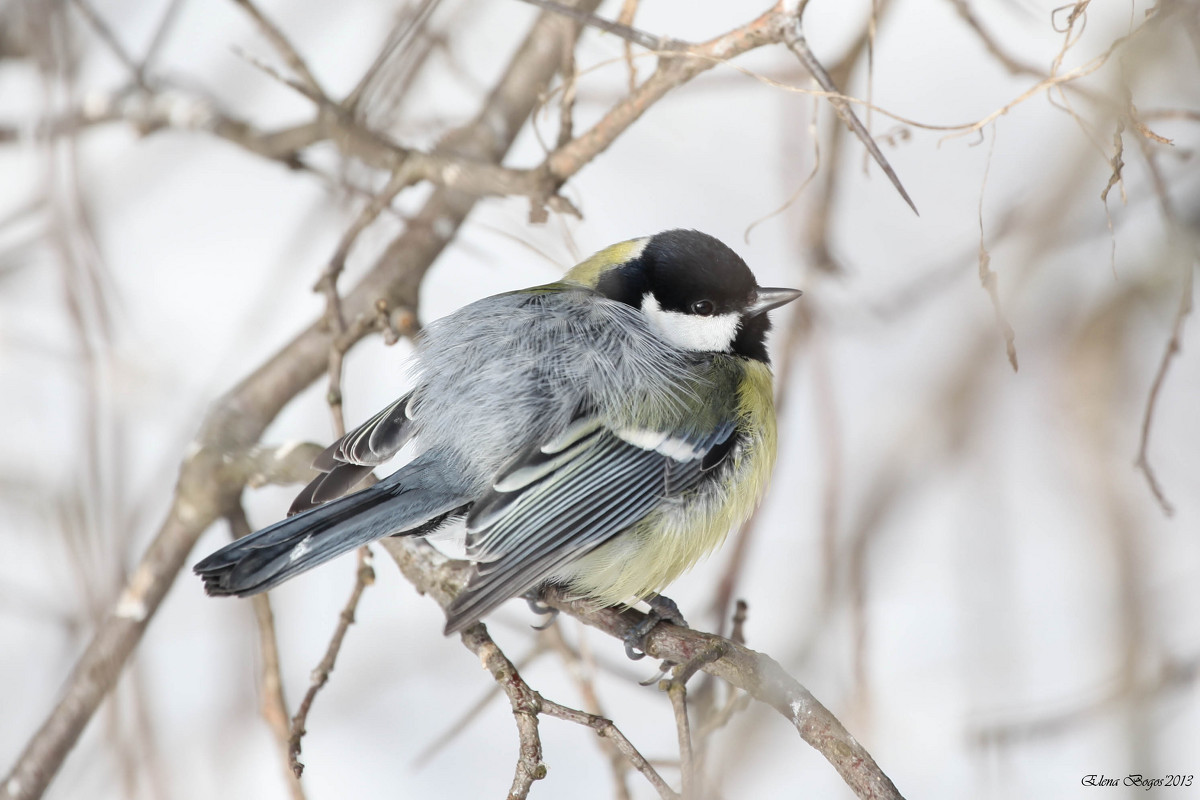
x=542, y=610
x=662, y=609
x=663, y=669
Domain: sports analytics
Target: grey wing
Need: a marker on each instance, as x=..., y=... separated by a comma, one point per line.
x=348, y=460
x=556, y=502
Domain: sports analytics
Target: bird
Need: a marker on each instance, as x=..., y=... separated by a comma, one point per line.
x=599, y=434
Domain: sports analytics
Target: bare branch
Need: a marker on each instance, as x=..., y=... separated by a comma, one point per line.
x=282, y=46
x=272, y=705
x=757, y=674
x=431, y=750
x=793, y=35
x=525, y=706
x=580, y=669
x=106, y=34
x=364, y=576
x=677, y=691
x=987, y=277
x=1188, y=259
x=609, y=732
x=626, y=32
x=333, y=300
x=1010, y=63
x=207, y=487
x=625, y=17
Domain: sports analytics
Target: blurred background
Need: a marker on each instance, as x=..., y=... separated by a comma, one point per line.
x=962, y=559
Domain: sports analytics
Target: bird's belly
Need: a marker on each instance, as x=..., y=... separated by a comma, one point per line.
x=657, y=549
x=653, y=552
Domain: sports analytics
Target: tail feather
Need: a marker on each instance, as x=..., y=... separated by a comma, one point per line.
x=406, y=502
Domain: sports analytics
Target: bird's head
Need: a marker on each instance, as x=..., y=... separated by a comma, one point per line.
x=697, y=293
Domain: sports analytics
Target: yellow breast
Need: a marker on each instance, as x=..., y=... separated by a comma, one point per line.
x=684, y=529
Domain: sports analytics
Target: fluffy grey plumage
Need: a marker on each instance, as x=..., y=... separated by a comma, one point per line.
x=512, y=370
x=604, y=432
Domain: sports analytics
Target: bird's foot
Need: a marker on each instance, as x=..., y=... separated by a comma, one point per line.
x=662, y=609
x=534, y=600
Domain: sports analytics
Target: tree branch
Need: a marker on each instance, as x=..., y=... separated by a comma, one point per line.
x=209, y=482
x=525, y=706
x=272, y=704
x=364, y=576
x=757, y=674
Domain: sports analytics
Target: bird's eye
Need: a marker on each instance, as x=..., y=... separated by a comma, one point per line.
x=703, y=308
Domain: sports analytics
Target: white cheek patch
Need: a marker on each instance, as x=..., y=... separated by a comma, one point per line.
x=713, y=334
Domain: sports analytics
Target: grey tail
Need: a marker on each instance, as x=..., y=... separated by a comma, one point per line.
x=413, y=501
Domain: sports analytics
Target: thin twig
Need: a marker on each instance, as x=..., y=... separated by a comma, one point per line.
x=525, y=706
x=273, y=705
x=399, y=41
x=755, y=673
x=987, y=277
x=990, y=42
x=327, y=284
x=456, y=727
x=283, y=46
x=161, y=32
x=566, y=103
x=607, y=730
x=625, y=17
x=364, y=577
x=677, y=692
x=1172, y=675
x=737, y=632
x=109, y=37
x=574, y=663
x=1174, y=344
x=626, y=32
x=793, y=36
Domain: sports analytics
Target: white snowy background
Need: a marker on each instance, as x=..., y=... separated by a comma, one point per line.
x=1023, y=598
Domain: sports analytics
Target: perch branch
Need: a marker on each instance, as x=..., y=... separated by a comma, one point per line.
x=757, y=674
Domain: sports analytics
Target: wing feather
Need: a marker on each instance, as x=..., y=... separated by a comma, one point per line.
x=373, y=442
x=351, y=458
x=580, y=493
x=580, y=511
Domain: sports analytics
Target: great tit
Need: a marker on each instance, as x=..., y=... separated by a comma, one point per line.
x=601, y=434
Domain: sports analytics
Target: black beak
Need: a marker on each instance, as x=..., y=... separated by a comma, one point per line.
x=766, y=299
